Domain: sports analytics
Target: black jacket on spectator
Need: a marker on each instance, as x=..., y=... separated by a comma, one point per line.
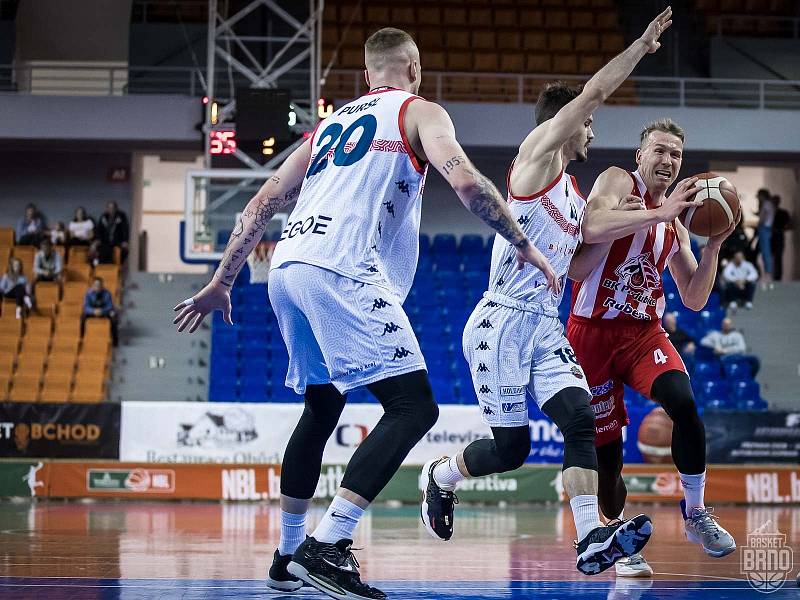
x=112, y=231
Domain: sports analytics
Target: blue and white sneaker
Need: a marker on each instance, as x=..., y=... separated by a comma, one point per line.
x=701, y=527
x=604, y=546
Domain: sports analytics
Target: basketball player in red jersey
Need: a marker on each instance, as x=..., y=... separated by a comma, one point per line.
x=615, y=322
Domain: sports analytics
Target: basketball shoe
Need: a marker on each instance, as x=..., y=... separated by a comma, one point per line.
x=633, y=566
x=701, y=527
x=332, y=569
x=603, y=546
x=279, y=578
x=436, y=507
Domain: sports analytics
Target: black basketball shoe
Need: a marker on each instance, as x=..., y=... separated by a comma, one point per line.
x=279, y=578
x=332, y=569
x=436, y=507
x=603, y=546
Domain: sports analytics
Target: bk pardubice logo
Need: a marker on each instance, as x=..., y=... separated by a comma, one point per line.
x=639, y=273
x=231, y=428
x=766, y=560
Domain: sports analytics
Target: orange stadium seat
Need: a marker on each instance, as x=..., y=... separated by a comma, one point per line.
x=61, y=362
x=509, y=40
x=483, y=39
x=559, y=42
x=35, y=344
x=587, y=42
x=78, y=272
x=565, y=63
x=55, y=392
x=330, y=34
x=459, y=61
x=612, y=42
x=25, y=254
x=377, y=15
x=456, y=39
x=581, y=19
x=429, y=38
x=538, y=63
x=9, y=344
x=42, y=326
x=429, y=15
x=402, y=14
x=531, y=18
x=479, y=17
x=21, y=393
x=512, y=62
x=590, y=63
x=65, y=340
x=534, y=40
x=556, y=19
x=352, y=10
x=606, y=21
x=6, y=237
x=78, y=255
x=5, y=383
x=47, y=293
x=485, y=61
x=454, y=16
x=506, y=17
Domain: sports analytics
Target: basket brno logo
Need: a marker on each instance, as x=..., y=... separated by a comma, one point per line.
x=766, y=560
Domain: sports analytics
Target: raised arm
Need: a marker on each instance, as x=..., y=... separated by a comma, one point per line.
x=551, y=135
x=279, y=190
x=436, y=136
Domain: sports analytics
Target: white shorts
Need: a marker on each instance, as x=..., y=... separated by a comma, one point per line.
x=339, y=330
x=512, y=351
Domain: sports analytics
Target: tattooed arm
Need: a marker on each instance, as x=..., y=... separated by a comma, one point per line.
x=431, y=131
x=279, y=190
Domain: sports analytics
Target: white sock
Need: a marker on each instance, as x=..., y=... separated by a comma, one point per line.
x=447, y=474
x=293, y=532
x=339, y=521
x=585, y=513
x=694, y=486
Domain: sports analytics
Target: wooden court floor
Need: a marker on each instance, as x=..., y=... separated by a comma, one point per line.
x=133, y=551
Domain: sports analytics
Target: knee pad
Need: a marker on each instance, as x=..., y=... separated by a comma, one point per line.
x=570, y=411
x=673, y=391
x=513, y=446
x=609, y=458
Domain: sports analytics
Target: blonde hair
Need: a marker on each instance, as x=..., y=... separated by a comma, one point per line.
x=666, y=125
x=383, y=43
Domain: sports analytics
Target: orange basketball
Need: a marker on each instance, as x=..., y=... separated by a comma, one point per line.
x=655, y=437
x=720, y=206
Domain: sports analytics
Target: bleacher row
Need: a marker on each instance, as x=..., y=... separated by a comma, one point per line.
x=43, y=357
x=249, y=360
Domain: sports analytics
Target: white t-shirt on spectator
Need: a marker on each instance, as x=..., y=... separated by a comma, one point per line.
x=732, y=272
x=81, y=229
x=730, y=343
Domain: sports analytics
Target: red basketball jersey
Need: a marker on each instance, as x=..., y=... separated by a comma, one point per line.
x=627, y=285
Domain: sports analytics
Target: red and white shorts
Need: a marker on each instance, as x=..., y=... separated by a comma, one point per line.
x=613, y=353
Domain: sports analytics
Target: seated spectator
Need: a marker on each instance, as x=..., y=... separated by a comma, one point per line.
x=729, y=343
x=735, y=242
x=98, y=304
x=30, y=228
x=112, y=231
x=739, y=278
x=682, y=341
x=81, y=228
x=13, y=284
x=46, y=263
x=58, y=234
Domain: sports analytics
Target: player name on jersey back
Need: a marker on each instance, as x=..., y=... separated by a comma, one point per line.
x=627, y=284
x=359, y=207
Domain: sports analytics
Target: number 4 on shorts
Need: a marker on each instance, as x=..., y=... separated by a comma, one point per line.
x=659, y=357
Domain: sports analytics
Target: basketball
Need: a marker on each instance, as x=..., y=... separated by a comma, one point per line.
x=720, y=206
x=655, y=437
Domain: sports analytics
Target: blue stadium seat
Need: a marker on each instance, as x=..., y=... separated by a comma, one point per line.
x=746, y=390
x=737, y=369
x=424, y=243
x=706, y=370
x=713, y=303
x=471, y=244
x=443, y=243
x=753, y=404
x=714, y=388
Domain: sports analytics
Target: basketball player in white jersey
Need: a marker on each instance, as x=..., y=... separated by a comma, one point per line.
x=615, y=321
x=514, y=342
x=338, y=278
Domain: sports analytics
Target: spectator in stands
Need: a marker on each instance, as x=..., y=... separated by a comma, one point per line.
x=58, y=234
x=46, y=263
x=98, y=304
x=781, y=223
x=13, y=284
x=30, y=228
x=739, y=278
x=679, y=338
x=735, y=242
x=112, y=231
x=729, y=344
x=81, y=228
x=766, y=217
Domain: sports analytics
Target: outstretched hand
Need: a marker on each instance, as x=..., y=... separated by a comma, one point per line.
x=214, y=296
x=654, y=30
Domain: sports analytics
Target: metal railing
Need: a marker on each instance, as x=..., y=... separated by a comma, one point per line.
x=758, y=26
x=646, y=91
x=437, y=86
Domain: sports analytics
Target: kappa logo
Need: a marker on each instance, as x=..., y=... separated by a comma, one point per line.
x=485, y=389
x=379, y=303
x=483, y=346
x=485, y=324
x=487, y=410
x=491, y=304
x=482, y=368
x=372, y=269
x=512, y=390
x=514, y=407
x=401, y=353
x=390, y=328
x=508, y=261
x=389, y=207
x=639, y=273
x=403, y=187
x=500, y=282
x=524, y=219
